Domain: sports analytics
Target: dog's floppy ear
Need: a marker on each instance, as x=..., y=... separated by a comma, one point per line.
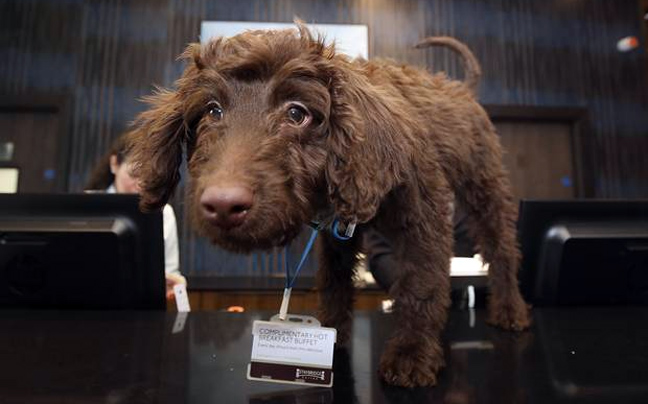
x=160, y=133
x=363, y=161
x=155, y=148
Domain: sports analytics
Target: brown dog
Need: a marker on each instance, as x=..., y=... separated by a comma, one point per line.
x=280, y=130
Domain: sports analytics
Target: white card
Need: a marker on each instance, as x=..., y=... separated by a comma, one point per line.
x=290, y=343
x=297, y=350
x=181, y=298
x=179, y=323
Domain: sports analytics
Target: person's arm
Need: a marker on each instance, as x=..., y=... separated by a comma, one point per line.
x=380, y=258
x=171, y=251
x=464, y=246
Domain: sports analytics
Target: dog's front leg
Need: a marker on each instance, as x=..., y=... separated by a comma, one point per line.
x=337, y=261
x=414, y=355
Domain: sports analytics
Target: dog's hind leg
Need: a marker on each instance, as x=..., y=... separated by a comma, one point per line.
x=337, y=262
x=490, y=203
x=423, y=249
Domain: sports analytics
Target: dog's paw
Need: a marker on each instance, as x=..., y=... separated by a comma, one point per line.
x=510, y=316
x=411, y=362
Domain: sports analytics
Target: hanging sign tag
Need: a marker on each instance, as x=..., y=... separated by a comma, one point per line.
x=297, y=350
x=181, y=298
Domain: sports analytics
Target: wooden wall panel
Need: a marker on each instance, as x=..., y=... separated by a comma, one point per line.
x=28, y=131
x=105, y=54
x=300, y=302
x=539, y=159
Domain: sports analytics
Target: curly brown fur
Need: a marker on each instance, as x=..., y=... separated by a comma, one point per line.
x=471, y=65
x=383, y=144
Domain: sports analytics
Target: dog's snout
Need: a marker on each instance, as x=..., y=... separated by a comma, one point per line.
x=226, y=207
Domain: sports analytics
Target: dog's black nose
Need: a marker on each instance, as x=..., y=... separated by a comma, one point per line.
x=226, y=207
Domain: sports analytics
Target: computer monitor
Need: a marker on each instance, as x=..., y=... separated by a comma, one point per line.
x=582, y=252
x=80, y=251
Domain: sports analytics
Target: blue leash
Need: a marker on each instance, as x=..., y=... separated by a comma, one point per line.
x=309, y=246
x=283, y=311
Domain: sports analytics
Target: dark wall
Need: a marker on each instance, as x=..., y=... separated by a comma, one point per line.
x=103, y=55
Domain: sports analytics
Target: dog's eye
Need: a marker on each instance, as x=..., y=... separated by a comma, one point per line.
x=298, y=115
x=215, y=110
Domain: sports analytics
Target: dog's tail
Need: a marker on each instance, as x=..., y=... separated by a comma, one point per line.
x=470, y=63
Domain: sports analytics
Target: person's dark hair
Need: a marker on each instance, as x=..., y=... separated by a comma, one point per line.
x=101, y=177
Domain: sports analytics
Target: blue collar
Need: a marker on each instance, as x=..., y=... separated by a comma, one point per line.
x=334, y=228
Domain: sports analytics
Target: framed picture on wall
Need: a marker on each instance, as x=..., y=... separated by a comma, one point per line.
x=350, y=39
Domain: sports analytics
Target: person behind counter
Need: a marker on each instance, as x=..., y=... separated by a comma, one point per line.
x=112, y=175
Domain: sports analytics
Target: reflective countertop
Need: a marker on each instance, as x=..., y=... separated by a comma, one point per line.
x=570, y=355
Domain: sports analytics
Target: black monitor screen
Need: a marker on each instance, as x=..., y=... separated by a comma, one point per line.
x=584, y=251
x=83, y=251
